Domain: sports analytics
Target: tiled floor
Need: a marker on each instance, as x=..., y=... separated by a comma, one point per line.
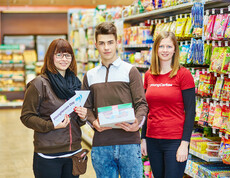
x=16, y=147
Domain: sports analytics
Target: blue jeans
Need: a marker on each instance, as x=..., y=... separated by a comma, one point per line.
x=56, y=168
x=110, y=161
x=162, y=157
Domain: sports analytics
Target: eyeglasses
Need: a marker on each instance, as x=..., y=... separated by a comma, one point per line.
x=61, y=55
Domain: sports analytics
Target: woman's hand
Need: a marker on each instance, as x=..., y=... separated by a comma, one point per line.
x=143, y=147
x=81, y=111
x=182, y=152
x=64, y=123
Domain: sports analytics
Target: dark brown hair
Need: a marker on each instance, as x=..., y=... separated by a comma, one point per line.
x=58, y=46
x=106, y=28
x=155, y=67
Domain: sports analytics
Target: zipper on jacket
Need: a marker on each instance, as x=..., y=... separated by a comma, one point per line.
x=70, y=137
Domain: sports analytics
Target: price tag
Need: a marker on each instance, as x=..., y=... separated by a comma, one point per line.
x=213, y=11
x=221, y=11
x=226, y=43
x=170, y=18
x=181, y=43
x=221, y=103
x=177, y=17
x=208, y=71
x=228, y=75
x=203, y=71
x=185, y=15
x=193, y=70
x=213, y=130
x=202, y=100
x=220, y=134
x=227, y=103
x=214, y=103
x=222, y=76
x=219, y=43
x=155, y=21
x=229, y=8
x=181, y=16
x=186, y=42
x=213, y=43
x=208, y=100
x=215, y=74
x=207, y=12
x=165, y=20
x=159, y=21
x=190, y=15
x=226, y=136
x=208, y=42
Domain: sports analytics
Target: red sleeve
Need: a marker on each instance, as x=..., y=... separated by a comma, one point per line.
x=146, y=79
x=186, y=79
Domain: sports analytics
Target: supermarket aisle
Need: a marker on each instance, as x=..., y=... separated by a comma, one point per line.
x=16, y=147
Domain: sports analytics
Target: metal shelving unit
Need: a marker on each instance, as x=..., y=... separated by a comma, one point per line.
x=205, y=157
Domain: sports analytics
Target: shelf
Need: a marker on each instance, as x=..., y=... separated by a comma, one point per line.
x=12, y=89
x=205, y=157
x=142, y=66
x=190, y=174
x=138, y=46
x=11, y=62
x=12, y=104
x=161, y=13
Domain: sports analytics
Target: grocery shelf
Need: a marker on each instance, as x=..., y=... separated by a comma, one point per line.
x=205, y=156
x=190, y=174
x=141, y=66
x=160, y=13
x=138, y=46
x=11, y=104
x=11, y=62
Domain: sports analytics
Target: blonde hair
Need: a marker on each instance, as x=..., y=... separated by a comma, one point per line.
x=155, y=66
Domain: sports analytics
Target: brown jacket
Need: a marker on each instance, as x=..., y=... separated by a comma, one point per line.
x=39, y=103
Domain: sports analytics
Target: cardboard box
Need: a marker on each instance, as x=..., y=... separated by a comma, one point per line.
x=111, y=115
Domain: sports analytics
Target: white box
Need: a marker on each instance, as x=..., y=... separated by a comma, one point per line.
x=111, y=115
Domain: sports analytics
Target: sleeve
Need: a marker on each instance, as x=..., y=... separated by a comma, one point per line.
x=30, y=111
x=138, y=96
x=144, y=128
x=189, y=107
x=89, y=104
x=186, y=79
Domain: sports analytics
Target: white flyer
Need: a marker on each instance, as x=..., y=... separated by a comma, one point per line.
x=78, y=99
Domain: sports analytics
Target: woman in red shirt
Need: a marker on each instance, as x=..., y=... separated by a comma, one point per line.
x=170, y=93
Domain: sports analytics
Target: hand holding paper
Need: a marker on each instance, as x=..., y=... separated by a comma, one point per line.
x=78, y=99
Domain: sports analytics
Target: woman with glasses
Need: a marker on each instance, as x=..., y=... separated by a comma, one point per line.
x=53, y=145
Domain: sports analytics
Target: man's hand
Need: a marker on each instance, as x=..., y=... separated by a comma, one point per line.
x=129, y=127
x=182, y=152
x=97, y=126
x=64, y=123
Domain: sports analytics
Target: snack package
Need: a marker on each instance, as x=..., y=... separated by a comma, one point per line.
x=227, y=31
x=225, y=116
x=217, y=121
x=226, y=152
x=220, y=26
x=180, y=27
x=204, y=112
x=209, y=30
x=207, y=53
x=188, y=28
x=184, y=53
x=225, y=92
x=173, y=27
x=199, y=107
x=217, y=89
x=212, y=108
x=217, y=58
x=225, y=65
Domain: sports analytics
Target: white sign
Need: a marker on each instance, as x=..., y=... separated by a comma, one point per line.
x=78, y=99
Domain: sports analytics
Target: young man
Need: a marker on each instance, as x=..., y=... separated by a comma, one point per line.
x=115, y=151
